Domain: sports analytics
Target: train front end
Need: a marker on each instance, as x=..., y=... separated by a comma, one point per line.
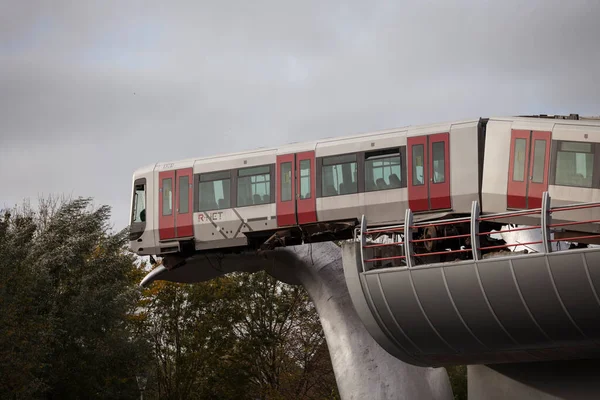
x=141, y=222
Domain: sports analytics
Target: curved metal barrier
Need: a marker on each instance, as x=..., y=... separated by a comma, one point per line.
x=511, y=308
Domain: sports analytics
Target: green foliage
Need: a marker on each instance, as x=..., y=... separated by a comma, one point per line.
x=283, y=335
x=66, y=290
x=74, y=324
x=237, y=336
x=24, y=327
x=458, y=380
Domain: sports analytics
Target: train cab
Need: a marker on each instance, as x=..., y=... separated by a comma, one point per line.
x=142, y=209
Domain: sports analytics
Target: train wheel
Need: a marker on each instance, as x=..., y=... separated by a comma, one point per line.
x=430, y=233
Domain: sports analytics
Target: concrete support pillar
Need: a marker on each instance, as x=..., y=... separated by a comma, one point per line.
x=363, y=369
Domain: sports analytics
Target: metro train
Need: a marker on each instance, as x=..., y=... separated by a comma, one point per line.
x=318, y=190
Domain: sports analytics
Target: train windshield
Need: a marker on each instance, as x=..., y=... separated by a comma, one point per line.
x=139, y=203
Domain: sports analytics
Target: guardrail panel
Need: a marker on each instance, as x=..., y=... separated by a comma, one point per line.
x=545, y=225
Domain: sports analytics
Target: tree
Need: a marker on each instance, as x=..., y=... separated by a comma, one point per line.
x=194, y=348
x=25, y=333
x=74, y=323
x=68, y=286
x=458, y=380
x=237, y=336
x=282, y=335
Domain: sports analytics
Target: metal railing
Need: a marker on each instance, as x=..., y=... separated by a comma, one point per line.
x=406, y=245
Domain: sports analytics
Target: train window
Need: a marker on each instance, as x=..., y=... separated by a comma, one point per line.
x=417, y=165
x=519, y=160
x=439, y=162
x=139, y=204
x=305, y=179
x=286, y=181
x=539, y=161
x=574, y=164
x=167, y=196
x=383, y=170
x=184, y=190
x=214, y=191
x=339, y=175
x=254, y=186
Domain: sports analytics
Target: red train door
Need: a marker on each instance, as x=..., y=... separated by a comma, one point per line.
x=418, y=177
x=184, y=226
x=540, y=166
x=286, y=193
x=528, y=168
x=429, y=172
x=175, y=202
x=296, y=188
x=306, y=204
x=439, y=168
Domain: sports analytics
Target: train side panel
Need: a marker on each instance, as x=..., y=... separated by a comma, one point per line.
x=224, y=221
x=462, y=156
x=464, y=171
x=570, y=173
x=239, y=160
x=497, y=160
x=228, y=227
x=495, y=166
x=380, y=206
x=575, y=171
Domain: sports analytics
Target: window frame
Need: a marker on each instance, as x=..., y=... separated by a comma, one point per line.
x=445, y=152
x=555, y=145
x=360, y=160
x=534, y=160
x=359, y=166
x=139, y=181
x=424, y=151
x=180, y=196
x=137, y=228
x=235, y=180
x=526, y=159
x=310, y=178
x=198, y=179
x=387, y=152
x=292, y=181
x=162, y=184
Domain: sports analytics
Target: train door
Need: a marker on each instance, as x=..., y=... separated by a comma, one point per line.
x=429, y=172
x=528, y=168
x=306, y=187
x=296, y=186
x=175, y=204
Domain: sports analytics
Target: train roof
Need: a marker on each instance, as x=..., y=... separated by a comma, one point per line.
x=310, y=145
x=552, y=119
x=409, y=130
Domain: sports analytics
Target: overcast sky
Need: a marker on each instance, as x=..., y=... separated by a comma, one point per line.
x=92, y=90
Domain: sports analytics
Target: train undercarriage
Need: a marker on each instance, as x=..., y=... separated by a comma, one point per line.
x=434, y=242
x=440, y=242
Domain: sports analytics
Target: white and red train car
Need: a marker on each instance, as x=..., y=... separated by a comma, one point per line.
x=314, y=191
